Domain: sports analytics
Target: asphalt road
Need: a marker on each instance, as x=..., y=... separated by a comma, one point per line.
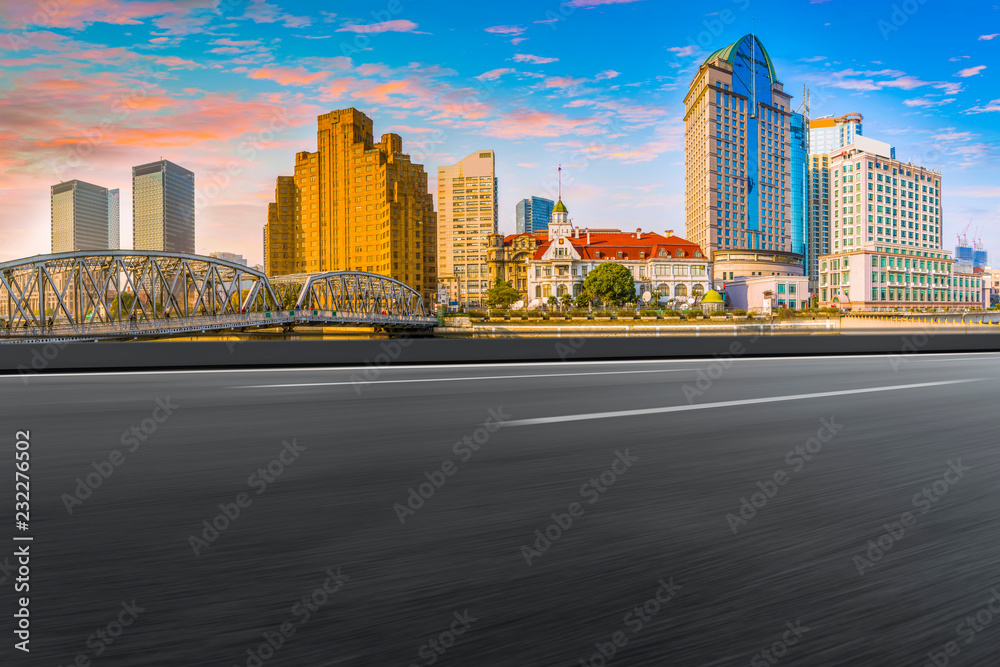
x=646, y=465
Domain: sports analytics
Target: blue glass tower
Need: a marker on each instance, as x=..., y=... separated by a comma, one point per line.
x=533, y=214
x=800, y=187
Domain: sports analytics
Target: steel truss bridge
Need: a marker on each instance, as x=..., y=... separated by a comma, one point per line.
x=131, y=294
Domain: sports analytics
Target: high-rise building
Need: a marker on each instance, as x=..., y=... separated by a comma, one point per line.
x=799, y=209
x=467, y=215
x=81, y=219
x=354, y=205
x=828, y=133
x=886, y=246
x=162, y=207
x=738, y=154
x=533, y=215
x=114, y=219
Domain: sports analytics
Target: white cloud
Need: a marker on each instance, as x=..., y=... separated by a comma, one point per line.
x=684, y=51
x=987, y=38
x=607, y=74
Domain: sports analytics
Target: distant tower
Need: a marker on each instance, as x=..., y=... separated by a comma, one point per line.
x=163, y=207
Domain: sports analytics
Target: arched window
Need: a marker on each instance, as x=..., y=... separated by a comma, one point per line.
x=697, y=253
x=577, y=288
x=680, y=253
x=681, y=291
x=697, y=290
x=561, y=290
x=664, y=253
x=664, y=289
x=546, y=291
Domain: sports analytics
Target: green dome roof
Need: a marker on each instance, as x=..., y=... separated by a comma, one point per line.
x=560, y=207
x=711, y=296
x=728, y=53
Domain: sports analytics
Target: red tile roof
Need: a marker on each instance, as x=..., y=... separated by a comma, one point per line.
x=606, y=244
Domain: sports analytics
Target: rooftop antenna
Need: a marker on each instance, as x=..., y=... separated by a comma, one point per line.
x=560, y=182
x=753, y=63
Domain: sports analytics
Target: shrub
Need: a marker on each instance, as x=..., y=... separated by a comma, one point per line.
x=649, y=313
x=739, y=312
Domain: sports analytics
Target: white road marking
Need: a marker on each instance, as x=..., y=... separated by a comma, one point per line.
x=458, y=379
x=723, y=404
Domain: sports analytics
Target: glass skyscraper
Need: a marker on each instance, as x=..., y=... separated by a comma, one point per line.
x=800, y=188
x=82, y=218
x=739, y=152
x=163, y=207
x=533, y=214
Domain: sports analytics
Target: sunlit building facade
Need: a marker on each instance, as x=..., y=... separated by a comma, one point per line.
x=354, y=205
x=82, y=217
x=467, y=216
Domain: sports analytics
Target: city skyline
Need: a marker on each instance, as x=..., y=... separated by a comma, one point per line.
x=517, y=79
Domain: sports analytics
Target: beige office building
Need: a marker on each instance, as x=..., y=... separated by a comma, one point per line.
x=354, y=205
x=467, y=216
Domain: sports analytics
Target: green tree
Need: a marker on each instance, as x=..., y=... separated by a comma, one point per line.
x=583, y=299
x=502, y=295
x=611, y=283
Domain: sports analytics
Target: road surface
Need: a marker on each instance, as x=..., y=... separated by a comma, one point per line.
x=823, y=511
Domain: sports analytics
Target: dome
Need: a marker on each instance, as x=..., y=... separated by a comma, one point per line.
x=560, y=207
x=711, y=296
x=728, y=53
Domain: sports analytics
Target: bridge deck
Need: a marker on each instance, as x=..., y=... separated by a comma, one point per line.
x=173, y=326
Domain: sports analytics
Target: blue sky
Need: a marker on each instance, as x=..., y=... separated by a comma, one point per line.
x=231, y=89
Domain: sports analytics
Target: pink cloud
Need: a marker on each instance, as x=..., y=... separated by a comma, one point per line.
x=506, y=29
x=597, y=3
x=399, y=25
x=288, y=76
x=262, y=11
x=495, y=74
x=525, y=123
x=173, y=62
x=535, y=60
x=970, y=71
